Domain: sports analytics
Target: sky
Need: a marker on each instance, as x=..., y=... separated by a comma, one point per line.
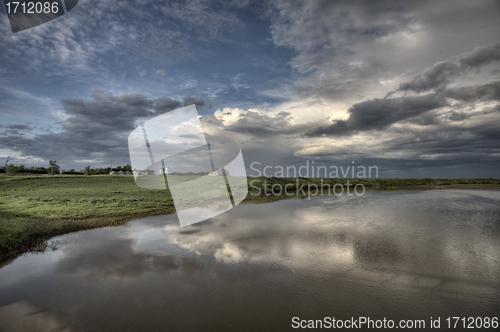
x=412, y=87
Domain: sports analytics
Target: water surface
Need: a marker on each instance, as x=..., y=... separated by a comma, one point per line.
x=399, y=255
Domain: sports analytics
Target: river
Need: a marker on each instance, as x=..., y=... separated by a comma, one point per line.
x=399, y=255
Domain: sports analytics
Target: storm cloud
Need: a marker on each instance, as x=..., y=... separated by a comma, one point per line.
x=95, y=130
x=444, y=72
x=380, y=113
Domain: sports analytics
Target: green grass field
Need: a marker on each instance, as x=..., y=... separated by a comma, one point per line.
x=33, y=208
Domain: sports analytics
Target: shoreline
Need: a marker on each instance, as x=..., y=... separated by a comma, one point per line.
x=31, y=216
x=39, y=243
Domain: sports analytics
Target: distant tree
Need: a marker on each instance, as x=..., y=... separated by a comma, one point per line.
x=36, y=170
x=11, y=169
x=54, y=167
x=101, y=170
x=88, y=170
x=127, y=168
x=72, y=171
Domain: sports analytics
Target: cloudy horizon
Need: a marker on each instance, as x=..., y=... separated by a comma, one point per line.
x=410, y=87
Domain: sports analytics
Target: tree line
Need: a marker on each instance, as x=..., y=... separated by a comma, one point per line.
x=53, y=168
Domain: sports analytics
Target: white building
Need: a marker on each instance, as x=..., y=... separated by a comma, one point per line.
x=164, y=171
x=217, y=172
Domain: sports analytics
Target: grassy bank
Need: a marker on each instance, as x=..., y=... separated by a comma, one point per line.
x=265, y=184
x=33, y=208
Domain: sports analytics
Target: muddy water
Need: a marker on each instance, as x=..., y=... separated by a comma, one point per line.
x=398, y=255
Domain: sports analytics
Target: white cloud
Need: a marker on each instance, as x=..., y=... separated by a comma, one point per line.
x=189, y=84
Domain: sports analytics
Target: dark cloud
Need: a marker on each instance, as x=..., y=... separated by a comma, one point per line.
x=475, y=93
x=444, y=72
x=261, y=125
x=347, y=50
x=19, y=127
x=15, y=129
x=194, y=100
x=440, y=143
x=105, y=112
x=445, y=145
x=166, y=104
x=94, y=130
x=379, y=113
